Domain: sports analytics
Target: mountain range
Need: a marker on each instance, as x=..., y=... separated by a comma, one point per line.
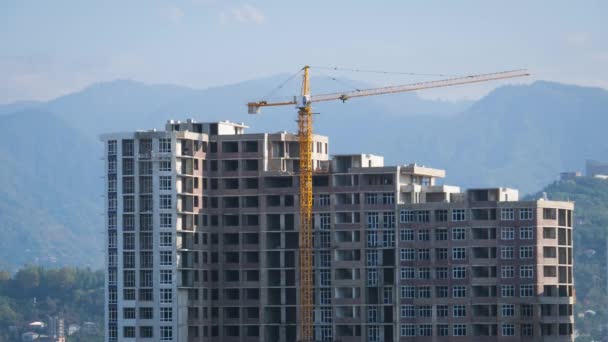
x=51, y=201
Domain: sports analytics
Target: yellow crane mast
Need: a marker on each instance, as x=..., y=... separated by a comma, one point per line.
x=303, y=103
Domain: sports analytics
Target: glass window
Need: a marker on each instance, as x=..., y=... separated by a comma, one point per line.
x=458, y=215
x=507, y=214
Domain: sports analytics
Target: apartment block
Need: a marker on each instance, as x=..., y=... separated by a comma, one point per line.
x=202, y=245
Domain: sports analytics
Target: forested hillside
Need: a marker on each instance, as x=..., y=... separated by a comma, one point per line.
x=36, y=294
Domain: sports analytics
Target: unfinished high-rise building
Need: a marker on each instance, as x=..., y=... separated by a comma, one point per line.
x=202, y=245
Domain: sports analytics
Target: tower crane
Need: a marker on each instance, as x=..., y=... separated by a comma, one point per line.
x=303, y=104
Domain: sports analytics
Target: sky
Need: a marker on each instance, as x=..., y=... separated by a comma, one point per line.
x=51, y=48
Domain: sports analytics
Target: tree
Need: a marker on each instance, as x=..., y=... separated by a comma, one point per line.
x=28, y=278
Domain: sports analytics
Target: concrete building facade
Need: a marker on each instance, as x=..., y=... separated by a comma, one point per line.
x=202, y=245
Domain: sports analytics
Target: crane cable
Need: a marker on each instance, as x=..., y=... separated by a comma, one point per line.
x=280, y=86
x=385, y=72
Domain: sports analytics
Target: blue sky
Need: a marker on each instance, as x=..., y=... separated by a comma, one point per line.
x=50, y=48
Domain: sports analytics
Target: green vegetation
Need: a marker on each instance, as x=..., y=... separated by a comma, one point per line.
x=590, y=265
x=35, y=294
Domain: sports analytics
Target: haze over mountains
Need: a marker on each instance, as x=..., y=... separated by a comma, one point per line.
x=51, y=186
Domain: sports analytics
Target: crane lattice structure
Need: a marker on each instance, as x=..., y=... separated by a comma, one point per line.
x=303, y=103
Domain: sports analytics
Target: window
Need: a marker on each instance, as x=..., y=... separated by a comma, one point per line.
x=422, y=216
x=166, y=277
x=441, y=253
x=459, y=291
x=166, y=333
x=128, y=241
x=372, y=258
x=166, y=296
x=424, y=235
x=111, y=147
x=166, y=314
x=165, y=258
x=507, y=233
x=424, y=292
x=325, y=277
x=506, y=253
x=165, y=201
x=128, y=259
x=371, y=198
x=441, y=215
x=387, y=295
x=526, y=214
x=324, y=221
x=425, y=311
x=325, y=258
x=146, y=313
x=325, y=314
x=441, y=292
x=146, y=332
x=526, y=233
x=406, y=235
x=388, y=220
x=388, y=238
x=408, y=330
x=128, y=313
x=508, y=330
x=406, y=216
x=323, y=199
x=459, y=311
x=507, y=291
x=112, y=203
x=407, y=254
x=526, y=290
x=127, y=166
x=507, y=272
x=459, y=253
x=164, y=145
x=407, y=273
x=165, y=182
x=164, y=166
x=145, y=278
x=459, y=330
x=407, y=311
x=111, y=165
x=526, y=271
x=372, y=220
x=459, y=272
x=527, y=310
x=527, y=330
x=388, y=198
x=165, y=239
x=372, y=314
x=128, y=294
x=424, y=254
x=166, y=220
x=526, y=252
x=425, y=330
x=508, y=310
x=441, y=273
x=441, y=234
x=442, y=330
x=129, y=332
x=442, y=310
x=458, y=215
x=458, y=234
x=325, y=295
x=408, y=292
x=372, y=239
x=507, y=214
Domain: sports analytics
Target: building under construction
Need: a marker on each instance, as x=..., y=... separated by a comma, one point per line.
x=203, y=245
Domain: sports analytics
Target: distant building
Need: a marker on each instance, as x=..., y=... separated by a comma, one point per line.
x=57, y=329
x=569, y=175
x=202, y=245
x=594, y=168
